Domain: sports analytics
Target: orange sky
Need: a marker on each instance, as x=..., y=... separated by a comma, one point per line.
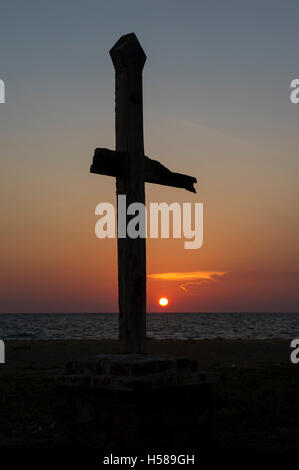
x=52, y=260
x=216, y=106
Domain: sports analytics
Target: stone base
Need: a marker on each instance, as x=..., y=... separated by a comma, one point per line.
x=139, y=401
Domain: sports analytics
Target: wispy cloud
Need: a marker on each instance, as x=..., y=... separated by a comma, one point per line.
x=190, y=278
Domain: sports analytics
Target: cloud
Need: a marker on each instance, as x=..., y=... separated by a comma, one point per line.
x=192, y=278
x=239, y=291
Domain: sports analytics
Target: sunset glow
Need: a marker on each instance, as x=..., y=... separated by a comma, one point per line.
x=163, y=302
x=241, y=147
x=197, y=275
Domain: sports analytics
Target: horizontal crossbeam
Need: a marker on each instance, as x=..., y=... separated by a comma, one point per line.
x=112, y=163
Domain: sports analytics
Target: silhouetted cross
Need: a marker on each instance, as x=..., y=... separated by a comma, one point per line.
x=132, y=169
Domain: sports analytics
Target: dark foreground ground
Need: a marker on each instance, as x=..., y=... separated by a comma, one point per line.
x=256, y=403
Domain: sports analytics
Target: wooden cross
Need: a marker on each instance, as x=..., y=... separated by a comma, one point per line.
x=132, y=169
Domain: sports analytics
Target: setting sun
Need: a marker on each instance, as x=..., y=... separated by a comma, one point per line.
x=163, y=301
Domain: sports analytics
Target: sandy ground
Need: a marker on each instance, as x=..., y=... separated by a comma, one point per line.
x=51, y=356
x=255, y=400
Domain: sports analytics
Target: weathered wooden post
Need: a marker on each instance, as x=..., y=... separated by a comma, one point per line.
x=134, y=400
x=128, y=59
x=132, y=168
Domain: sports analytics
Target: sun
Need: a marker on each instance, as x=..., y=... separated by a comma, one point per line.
x=163, y=302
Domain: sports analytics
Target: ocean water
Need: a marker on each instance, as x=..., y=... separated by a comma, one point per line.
x=159, y=326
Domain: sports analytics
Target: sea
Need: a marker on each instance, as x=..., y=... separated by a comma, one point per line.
x=182, y=326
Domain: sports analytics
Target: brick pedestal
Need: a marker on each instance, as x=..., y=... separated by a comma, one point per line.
x=139, y=401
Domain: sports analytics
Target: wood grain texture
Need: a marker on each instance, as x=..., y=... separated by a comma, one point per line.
x=128, y=59
x=111, y=163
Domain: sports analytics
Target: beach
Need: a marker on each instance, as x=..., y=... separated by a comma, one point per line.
x=255, y=399
x=47, y=357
